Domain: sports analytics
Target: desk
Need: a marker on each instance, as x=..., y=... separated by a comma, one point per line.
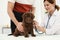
x=38, y=37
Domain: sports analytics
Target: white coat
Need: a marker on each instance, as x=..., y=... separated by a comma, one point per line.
x=54, y=23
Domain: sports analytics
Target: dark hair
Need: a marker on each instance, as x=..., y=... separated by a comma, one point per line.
x=52, y=1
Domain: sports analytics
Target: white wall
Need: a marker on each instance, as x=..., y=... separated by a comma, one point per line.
x=4, y=18
x=39, y=11
x=58, y=2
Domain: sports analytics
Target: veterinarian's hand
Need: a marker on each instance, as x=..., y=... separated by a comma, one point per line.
x=20, y=27
x=35, y=23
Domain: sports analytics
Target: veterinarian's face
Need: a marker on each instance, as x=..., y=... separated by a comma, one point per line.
x=48, y=6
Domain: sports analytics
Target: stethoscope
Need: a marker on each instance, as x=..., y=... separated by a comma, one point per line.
x=37, y=31
x=46, y=25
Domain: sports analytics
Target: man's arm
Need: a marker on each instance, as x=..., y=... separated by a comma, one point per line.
x=10, y=12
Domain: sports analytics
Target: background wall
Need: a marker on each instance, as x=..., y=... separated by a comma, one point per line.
x=5, y=20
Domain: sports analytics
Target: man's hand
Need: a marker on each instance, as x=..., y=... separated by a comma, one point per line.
x=20, y=27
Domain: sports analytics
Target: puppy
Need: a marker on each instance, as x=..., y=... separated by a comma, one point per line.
x=27, y=25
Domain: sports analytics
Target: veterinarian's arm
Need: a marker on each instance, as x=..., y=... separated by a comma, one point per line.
x=39, y=27
x=10, y=12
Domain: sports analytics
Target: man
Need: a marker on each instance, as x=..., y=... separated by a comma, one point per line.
x=16, y=8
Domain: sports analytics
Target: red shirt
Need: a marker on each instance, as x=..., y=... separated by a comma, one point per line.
x=22, y=7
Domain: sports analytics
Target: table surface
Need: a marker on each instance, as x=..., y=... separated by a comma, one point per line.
x=38, y=37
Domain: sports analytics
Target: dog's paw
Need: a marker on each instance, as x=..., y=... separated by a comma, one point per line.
x=26, y=36
x=33, y=35
x=15, y=35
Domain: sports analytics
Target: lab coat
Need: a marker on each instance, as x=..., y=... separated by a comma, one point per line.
x=54, y=23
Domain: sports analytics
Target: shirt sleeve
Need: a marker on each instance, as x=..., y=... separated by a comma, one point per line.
x=43, y=21
x=13, y=1
x=54, y=28
x=42, y=24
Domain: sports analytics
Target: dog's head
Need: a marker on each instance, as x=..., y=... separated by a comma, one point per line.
x=28, y=17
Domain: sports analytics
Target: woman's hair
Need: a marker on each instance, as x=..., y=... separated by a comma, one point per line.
x=52, y=2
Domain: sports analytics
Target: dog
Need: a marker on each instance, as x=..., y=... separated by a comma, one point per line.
x=27, y=25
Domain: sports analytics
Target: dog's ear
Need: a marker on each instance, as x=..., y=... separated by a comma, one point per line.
x=32, y=16
x=23, y=15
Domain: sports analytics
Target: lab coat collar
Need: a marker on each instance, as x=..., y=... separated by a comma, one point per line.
x=54, y=14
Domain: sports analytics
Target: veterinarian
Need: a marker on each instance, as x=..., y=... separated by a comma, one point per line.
x=51, y=23
x=16, y=8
